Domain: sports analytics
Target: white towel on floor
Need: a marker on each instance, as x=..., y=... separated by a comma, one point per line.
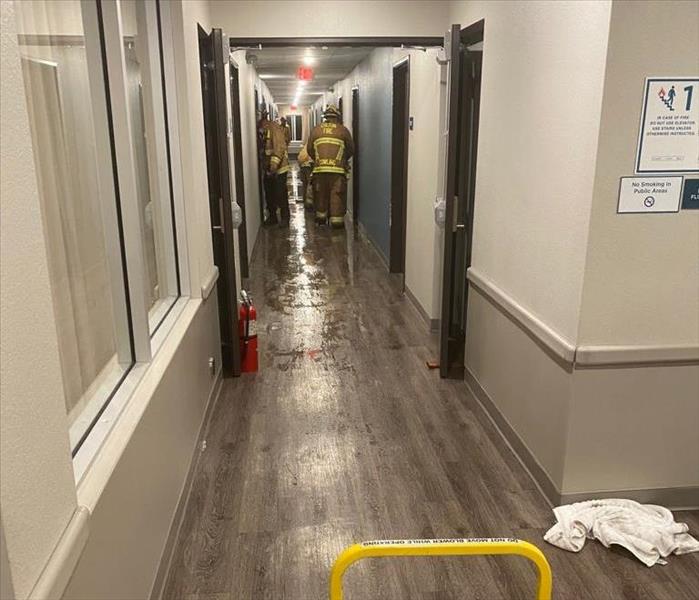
x=648, y=531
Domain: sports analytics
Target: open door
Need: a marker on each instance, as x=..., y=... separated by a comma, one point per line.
x=355, y=158
x=213, y=89
x=399, y=166
x=234, y=80
x=465, y=60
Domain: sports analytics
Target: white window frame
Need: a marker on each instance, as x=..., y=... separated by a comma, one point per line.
x=149, y=329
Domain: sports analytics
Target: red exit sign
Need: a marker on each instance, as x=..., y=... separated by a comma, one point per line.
x=304, y=74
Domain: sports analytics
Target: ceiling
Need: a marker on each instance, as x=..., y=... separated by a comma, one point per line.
x=277, y=68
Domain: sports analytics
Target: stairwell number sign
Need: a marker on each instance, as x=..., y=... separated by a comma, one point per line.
x=669, y=137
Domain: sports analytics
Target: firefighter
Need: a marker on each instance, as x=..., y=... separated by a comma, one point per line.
x=330, y=146
x=278, y=168
x=305, y=166
x=264, y=126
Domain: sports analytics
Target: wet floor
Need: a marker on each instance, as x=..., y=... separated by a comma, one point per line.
x=344, y=435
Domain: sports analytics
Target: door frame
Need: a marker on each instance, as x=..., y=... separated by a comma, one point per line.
x=215, y=115
x=355, y=158
x=451, y=349
x=400, y=143
x=261, y=188
x=355, y=42
x=238, y=167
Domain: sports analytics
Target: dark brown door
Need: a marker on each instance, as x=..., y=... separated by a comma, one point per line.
x=355, y=159
x=234, y=80
x=464, y=110
x=213, y=90
x=399, y=166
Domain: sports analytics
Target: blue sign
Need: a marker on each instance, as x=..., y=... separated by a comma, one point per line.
x=690, y=194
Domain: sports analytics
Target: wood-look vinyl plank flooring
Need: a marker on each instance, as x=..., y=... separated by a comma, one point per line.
x=344, y=435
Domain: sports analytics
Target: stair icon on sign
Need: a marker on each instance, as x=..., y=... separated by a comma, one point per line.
x=667, y=98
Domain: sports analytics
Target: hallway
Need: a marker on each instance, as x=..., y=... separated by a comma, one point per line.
x=344, y=435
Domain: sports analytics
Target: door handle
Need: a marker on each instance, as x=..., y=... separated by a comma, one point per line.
x=220, y=227
x=455, y=219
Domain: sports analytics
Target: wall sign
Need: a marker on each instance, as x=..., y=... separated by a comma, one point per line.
x=649, y=194
x=668, y=140
x=690, y=194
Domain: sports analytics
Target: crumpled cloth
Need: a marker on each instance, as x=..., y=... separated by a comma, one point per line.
x=648, y=531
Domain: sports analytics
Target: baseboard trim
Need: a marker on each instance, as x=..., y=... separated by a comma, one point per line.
x=432, y=324
x=674, y=498
x=582, y=356
x=178, y=517
x=525, y=456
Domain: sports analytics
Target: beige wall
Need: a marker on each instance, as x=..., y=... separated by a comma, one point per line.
x=530, y=389
x=37, y=493
x=641, y=277
x=249, y=81
x=634, y=428
x=541, y=96
x=282, y=18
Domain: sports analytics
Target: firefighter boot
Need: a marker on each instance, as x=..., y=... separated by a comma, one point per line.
x=338, y=201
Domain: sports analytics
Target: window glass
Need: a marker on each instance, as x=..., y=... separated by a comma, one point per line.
x=147, y=115
x=69, y=128
x=298, y=127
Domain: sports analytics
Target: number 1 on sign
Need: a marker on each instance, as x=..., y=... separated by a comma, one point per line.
x=689, y=89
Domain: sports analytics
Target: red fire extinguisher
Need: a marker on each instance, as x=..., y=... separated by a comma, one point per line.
x=247, y=331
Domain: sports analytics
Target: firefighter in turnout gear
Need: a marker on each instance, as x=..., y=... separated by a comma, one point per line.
x=306, y=166
x=330, y=146
x=264, y=134
x=277, y=168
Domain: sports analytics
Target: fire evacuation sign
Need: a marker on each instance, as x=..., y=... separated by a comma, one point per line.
x=668, y=140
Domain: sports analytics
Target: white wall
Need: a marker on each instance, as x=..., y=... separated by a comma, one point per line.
x=561, y=95
x=641, y=277
x=133, y=510
x=37, y=494
x=425, y=158
x=282, y=18
x=423, y=261
x=541, y=98
x=187, y=15
x=134, y=484
x=249, y=80
x=641, y=283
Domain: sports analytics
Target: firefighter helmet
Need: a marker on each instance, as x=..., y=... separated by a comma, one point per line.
x=331, y=111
